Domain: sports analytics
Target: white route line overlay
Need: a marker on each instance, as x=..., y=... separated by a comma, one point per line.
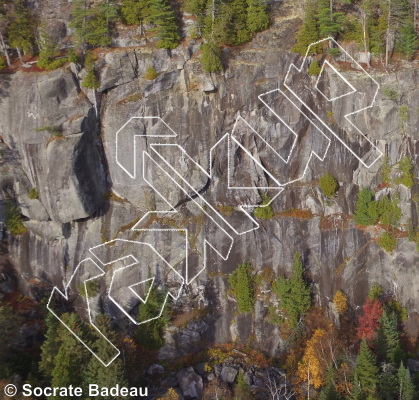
x=65, y=296
x=292, y=66
x=197, y=195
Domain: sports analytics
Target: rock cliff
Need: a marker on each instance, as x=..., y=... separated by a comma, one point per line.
x=86, y=199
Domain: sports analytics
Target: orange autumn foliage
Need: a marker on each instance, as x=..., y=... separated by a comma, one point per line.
x=341, y=302
x=310, y=368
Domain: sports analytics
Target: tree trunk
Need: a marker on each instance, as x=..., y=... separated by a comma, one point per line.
x=4, y=49
x=364, y=21
x=19, y=53
x=388, y=32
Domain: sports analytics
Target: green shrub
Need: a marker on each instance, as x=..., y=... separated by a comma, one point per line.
x=53, y=130
x=33, y=194
x=375, y=292
x=294, y=293
x=51, y=64
x=150, y=74
x=3, y=63
x=72, y=56
x=242, y=389
x=14, y=220
x=92, y=288
x=329, y=185
x=211, y=57
x=264, y=211
x=334, y=52
x=388, y=242
x=385, y=170
x=314, y=69
x=242, y=282
x=274, y=316
x=404, y=114
x=406, y=173
x=369, y=211
x=389, y=212
x=91, y=81
x=390, y=93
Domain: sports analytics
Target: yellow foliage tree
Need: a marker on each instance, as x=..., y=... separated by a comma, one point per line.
x=310, y=368
x=171, y=394
x=341, y=302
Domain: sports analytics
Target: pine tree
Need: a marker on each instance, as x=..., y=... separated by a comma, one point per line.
x=136, y=12
x=257, y=16
x=329, y=391
x=294, y=293
x=367, y=370
x=240, y=32
x=166, y=21
x=387, y=386
x=150, y=334
x=388, y=338
x=211, y=57
x=70, y=356
x=8, y=334
x=362, y=211
x=20, y=30
x=50, y=346
x=3, y=47
x=93, y=23
x=407, y=43
x=96, y=372
x=406, y=387
x=356, y=392
x=242, y=284
x=330, y=23
x=308, y=32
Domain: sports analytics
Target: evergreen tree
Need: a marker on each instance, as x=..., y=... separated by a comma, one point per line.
x=79, y=18
x=242, y=284
x=50, y=346
x=356, y=392
x=387, y=386
x=257, y=16
x=388, y=338
x=197, y=8
x=3, y=47
x=136, y=12
x=8, y=334
x=362, y=211
x=166, y=21
x=240, y=33
x=330, y=23
x=70, y=356
x=406, y=387
x=20, y=30
x=211, y=57
x=308, y=32
x=95, y=371
x=407, y=43
x=329, y=391
x=294, y=293
x=151, y=334
x=90, y=81
x=367, y=370
x=93, y=23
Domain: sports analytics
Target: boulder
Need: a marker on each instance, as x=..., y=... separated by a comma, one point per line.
x=228, y=374
x=190, y=384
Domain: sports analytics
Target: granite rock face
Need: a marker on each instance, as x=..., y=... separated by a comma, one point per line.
x=86, y=198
